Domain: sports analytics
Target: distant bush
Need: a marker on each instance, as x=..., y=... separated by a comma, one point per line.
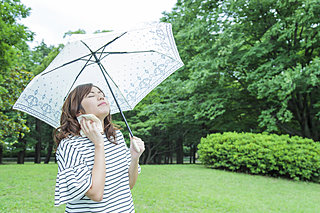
x=267, y=154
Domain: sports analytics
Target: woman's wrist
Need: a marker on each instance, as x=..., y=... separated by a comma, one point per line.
x=135, y=160
x=99, y=144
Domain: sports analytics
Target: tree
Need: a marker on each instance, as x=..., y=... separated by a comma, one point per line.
x=13, y=123
x=13, y=37
x=253, y=62
x=12, y=34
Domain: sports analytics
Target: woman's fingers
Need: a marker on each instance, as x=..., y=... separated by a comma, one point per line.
x=135, y=138
x=83, y=125
x=137, y=143
x=91, y=131
x=89, y=127
x=86, y=125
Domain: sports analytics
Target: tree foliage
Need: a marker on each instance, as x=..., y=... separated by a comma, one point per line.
x=13, y=76
x=13, y=123
x=252, y=63
x=12, y=34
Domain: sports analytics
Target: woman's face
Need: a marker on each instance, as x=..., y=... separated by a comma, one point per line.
x=96, y=103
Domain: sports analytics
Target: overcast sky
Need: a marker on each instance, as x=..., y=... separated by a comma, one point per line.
x=50, y=19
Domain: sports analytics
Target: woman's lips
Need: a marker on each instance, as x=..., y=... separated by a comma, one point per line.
x=102, y=103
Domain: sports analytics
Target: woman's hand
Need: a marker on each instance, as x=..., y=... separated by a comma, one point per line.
x=134, y=154
x=90, y=129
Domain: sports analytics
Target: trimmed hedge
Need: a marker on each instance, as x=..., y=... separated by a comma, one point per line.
x=267, y=154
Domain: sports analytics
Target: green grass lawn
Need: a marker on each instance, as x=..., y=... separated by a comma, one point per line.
x=168, y=188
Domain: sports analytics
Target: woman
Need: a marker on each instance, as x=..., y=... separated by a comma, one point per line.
x=96, y=172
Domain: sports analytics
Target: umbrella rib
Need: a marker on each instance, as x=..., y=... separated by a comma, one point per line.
x=87, y=59
x=92, y=61
x=124, y=118
x=153, y=51
x=98, y=61
x=127, y=52
x=91, y=64
x=104, y=46
x=101, y=58
x=81, y=58
x=109, y=53
x=104, y=70
x=78, y=76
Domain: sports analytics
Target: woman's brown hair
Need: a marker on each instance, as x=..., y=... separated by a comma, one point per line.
x=72, y=107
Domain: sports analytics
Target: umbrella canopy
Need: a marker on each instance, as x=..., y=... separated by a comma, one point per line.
x=133, y=63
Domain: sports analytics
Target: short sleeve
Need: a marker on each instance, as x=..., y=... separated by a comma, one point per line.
x=74, y=177
x=128, y=154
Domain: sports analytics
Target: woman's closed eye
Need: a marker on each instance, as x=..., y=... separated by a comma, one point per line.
x=101, y=94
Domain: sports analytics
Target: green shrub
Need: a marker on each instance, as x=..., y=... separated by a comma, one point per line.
x=267, y=154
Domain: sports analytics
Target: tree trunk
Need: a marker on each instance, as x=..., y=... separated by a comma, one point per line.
x=49, y=152
x=1, y=152
x=171, y=156
x=301, y=109
x=168, y=157
x=194, y=153
x=20, y=159
x=159, y=159
x=307, y=129
x=154, y=159
x=150, y=155
x=37, y=157
x=21, y=153
x=168, y=154
x=191, y=151
x=180, y=150
x=147, y=154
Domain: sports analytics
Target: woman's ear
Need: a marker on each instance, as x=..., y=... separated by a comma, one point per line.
x=81, y=111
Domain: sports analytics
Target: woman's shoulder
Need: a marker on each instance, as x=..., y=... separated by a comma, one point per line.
x=118, y=133
x=119, y=137
x=71, y=141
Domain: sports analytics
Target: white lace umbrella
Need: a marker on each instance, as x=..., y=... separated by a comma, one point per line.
x=126, y=66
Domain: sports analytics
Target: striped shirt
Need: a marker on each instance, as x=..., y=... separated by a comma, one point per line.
x=75, y=157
